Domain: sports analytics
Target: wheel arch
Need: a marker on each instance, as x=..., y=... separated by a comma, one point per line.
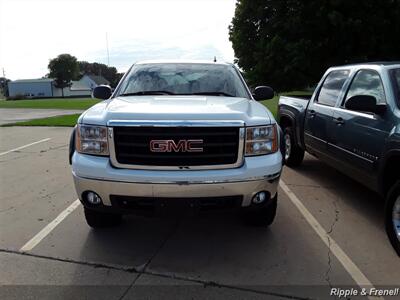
x=389, y=172
x=71, y=146
x=288, y=120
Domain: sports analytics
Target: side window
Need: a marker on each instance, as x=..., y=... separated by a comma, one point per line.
x=367, y=82
x=331, y=87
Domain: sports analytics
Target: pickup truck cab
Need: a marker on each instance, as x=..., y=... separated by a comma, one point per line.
x=177, y=134
x=352, y=122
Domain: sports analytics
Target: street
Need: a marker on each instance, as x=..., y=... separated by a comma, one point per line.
x=328, y=232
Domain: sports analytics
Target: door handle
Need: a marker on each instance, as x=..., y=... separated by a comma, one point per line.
x=339, y=121
x=312, y=114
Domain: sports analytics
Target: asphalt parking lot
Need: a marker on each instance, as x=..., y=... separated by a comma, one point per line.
x=328, y=232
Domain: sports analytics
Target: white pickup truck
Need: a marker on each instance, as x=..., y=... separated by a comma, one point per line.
x=177, y=134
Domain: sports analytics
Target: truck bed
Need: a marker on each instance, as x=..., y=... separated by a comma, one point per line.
x=293, y=108
x=297, y=101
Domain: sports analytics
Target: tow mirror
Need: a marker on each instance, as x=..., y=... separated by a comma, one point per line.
x=102, y=92
x=263, y=93
x=364, y=103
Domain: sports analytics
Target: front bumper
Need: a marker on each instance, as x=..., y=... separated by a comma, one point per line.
x=96, y=174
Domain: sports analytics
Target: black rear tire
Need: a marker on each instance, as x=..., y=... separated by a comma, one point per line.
x=293, y=154
x=391, y=199
x=97, y=219
x=263, y=216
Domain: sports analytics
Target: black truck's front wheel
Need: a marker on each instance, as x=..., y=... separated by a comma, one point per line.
x=293, y=154
x=97, y=219
x=392, y=216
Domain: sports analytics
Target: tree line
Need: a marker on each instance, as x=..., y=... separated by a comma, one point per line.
x=65, y=68
x=289, y=43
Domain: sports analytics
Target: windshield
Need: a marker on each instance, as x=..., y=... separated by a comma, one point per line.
x=396, y=79
x=184, y=79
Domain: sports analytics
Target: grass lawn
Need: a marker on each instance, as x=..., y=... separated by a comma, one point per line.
x=272, y=104
x=64, y=121
x=57, y=103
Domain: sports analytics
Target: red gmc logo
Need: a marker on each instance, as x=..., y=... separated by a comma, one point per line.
x=180, y=146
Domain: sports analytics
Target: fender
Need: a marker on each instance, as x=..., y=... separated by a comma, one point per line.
x=289, y=114
x=71, y=145
x=281, y=143
x=382, y=168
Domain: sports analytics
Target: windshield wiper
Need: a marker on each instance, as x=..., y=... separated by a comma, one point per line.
x=143, y=93
x=212, y=94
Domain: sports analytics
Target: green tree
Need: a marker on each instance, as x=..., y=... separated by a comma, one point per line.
x=109, y=73
x=4, y=87
x=64, y=68
x=289, y=43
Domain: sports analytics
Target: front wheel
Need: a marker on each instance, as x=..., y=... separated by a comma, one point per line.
x=97, y=219
x=293, y=154
x=392, y=216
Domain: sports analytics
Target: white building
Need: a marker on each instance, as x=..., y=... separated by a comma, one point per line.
x=93, y=80
x=31, y=87
x=45, y=87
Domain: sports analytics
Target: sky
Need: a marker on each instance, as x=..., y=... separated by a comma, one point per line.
x=34, y=31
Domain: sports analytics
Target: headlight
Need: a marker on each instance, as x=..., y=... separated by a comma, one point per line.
x=92, y=140
x=261, y=140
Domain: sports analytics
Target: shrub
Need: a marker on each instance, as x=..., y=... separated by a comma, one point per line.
x=16, y=97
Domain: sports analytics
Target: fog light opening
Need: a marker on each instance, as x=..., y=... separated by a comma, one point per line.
x=259, y=198
x=93, y=198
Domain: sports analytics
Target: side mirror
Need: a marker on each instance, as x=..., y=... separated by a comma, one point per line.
x=102, y=92
x=366, y=103
x=263, y=93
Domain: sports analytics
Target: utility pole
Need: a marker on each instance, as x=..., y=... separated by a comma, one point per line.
x=4, y=73
x=108, y=53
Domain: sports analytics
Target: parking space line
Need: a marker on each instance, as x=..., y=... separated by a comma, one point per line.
x=348, y=264
x=49, y=227
x=25, y=146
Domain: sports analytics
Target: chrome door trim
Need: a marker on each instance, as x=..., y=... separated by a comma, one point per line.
x=353, y=153
x=315, y=138
x=352, y=112
x=356, y=113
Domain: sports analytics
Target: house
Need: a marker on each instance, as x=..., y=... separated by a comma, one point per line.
x=45, y=87
x=93, y=80
x=77, y=89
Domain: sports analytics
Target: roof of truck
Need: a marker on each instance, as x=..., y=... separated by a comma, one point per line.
x=180, y=61
x=375, y=63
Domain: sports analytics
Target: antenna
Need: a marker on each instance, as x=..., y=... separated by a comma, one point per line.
x=215, y=59
x=108, y=53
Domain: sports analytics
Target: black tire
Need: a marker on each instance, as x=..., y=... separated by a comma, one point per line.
x=263, y=216
x=97, y=219
x=392, y=198
x=295, y=155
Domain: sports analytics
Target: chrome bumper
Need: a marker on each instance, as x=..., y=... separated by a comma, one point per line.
x=247, y=189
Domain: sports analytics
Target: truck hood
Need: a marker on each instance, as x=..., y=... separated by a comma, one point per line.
x=178, y=108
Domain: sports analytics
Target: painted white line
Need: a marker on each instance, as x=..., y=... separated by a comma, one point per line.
x=49, y=227
x=25, y=146
x=358, y=276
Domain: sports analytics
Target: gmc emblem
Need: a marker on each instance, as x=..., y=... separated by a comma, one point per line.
x=180, y=146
